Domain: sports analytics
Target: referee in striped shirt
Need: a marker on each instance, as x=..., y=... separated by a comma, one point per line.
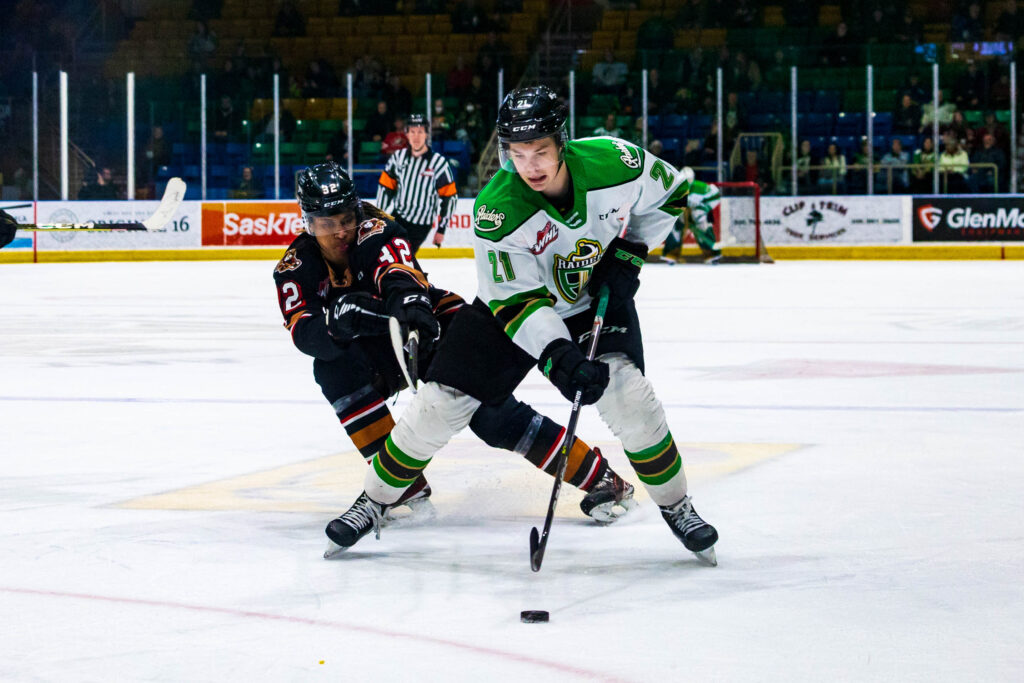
x=417, y=186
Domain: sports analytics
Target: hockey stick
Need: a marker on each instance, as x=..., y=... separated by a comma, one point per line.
x=406, y=352
x=173, y=196
x=538, y=542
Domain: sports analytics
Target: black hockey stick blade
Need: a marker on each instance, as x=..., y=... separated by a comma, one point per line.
x=536, y=550
x=173, y=196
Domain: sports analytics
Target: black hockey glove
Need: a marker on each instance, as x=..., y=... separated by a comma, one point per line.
x=8, y=226
x=414, y=312
x=619, y=268
x=356, y=314
x=564, y=364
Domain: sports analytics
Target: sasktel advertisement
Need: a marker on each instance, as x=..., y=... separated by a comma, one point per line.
x=968, y=219
x=276, y=223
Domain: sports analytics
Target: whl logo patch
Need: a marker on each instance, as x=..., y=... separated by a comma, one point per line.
x=929, y=216
x=573, y=271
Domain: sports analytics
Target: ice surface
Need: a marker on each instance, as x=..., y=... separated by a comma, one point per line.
x=854, y=430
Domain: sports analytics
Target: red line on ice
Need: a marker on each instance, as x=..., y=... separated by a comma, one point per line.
x=362, y=628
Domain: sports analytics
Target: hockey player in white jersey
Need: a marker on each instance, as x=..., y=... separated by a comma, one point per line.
x=558, y=221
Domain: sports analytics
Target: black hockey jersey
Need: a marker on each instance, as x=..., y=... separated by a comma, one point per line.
x=380, y=262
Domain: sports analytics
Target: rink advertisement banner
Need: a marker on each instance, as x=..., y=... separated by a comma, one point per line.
x=833, y=220
x=276, y=223
x=181, y=233
x=968, y=219
x=23, y=214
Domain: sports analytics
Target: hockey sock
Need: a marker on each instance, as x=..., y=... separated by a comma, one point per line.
x=365, y=416
x=660, y=469
x=396, y=469
x=585, y=467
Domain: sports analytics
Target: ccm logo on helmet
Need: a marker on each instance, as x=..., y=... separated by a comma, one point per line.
x=517, y=129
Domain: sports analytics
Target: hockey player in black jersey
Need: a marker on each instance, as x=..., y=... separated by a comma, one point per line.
x=337, y=286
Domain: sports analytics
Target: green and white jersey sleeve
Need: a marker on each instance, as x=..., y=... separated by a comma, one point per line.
x=533, y=263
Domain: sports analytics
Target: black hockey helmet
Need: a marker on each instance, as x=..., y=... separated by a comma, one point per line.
x=527, y=114
x=325, y=190
x=417, y=120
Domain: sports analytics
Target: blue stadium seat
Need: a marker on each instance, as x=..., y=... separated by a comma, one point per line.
x=762, y=122
x=826, y=101
x=851, y=123
x=883, y=124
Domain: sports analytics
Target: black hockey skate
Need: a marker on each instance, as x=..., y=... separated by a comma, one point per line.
x=364, y=516
x=610, y=498
x=417, y=501
x=698, y=536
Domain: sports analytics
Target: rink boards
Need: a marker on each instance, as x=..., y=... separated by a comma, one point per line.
x=819, y=227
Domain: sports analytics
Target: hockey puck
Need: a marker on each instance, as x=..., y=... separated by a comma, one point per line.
x=533, y=616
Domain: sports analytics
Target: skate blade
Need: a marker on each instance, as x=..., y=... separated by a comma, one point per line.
x=609, y=513
x=333, y=550
x=416, y=511
x=708, y=557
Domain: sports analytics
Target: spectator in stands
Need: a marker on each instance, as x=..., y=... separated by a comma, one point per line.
x=839, y=49
x=398, y=97
x=894, y=166
x=484, y=96
x=857, y=179
x=953, y=165
x=459, y=78
x=694, y=70
x=471, y=128
x=320, y=80
x=753, y=172
x=999, y=95
x=609, y=128
x=733, y=117
x=378, y=124
x=879, y=27
x=337, y=146
x=102, y=186
x=659, y=93
x=157, y=151
x=744, y=14
x=969, y=92
x=944, y=115
x=440, y=122
x=832, y=177
x=989, y=153
x=995, y=129
x=914, y=88
x=754, y=76
x=690, y=14
x=657, y=148
x=736, y=74
x=693, y=153
x=229, y=80
x=907, y=119
x=778, y=72
x=959, y=129
x=909, y=29
x=967, y=27
x=396, y=139
x=289, y=21
x=496, y=50
x=249, y=186
x=1009, y=26
x=804, y=177
x=636, y=133
x=924, y=163
x=656, y=33
x=225, y=120
x=683, y=102
x=201, y=45
x=468, y=17
x=800, y=12
x=609, y=75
